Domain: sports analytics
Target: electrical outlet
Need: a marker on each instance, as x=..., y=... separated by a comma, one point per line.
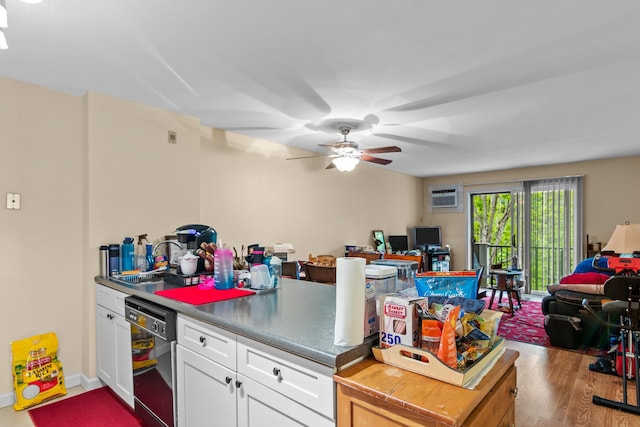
x=173, y=137
x=13, y=200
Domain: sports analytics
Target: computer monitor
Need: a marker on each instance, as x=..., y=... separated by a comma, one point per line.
x=427, y=237
x=399, y=243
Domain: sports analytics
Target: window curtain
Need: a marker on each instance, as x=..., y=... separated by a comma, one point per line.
x=551, y=229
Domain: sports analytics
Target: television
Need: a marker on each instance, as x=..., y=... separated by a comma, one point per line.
x=427, y=237
x=399, y=243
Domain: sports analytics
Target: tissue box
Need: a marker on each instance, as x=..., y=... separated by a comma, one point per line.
x=399, y=322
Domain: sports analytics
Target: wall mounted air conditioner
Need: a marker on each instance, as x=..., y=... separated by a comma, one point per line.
x=445, y=198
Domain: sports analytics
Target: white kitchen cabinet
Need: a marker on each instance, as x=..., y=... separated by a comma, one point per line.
x=269, y=387
x=113, y=343
x=206, y=391
x=259, y=406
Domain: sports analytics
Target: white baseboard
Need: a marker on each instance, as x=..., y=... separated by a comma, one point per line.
x=8, y=399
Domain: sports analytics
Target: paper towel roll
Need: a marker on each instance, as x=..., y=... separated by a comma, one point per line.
x=350, y=301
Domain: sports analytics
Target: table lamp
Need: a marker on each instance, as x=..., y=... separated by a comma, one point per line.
x=624, y=240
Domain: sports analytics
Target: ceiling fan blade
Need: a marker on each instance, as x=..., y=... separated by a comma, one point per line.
x=415, y=141
x=380, y=150
x=331, y=147
x=330, y=166
x=306, y=157
x=376, y=160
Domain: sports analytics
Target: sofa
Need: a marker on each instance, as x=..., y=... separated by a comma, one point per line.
x=565, y=301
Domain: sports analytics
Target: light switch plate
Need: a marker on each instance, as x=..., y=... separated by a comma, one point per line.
x=13, y=200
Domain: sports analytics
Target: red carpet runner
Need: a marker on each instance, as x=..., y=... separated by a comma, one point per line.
x=526, y=325
x=96, y=408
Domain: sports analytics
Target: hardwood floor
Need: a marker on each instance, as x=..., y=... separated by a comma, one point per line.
x=554, y=389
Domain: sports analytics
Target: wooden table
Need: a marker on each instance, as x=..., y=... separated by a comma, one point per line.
x=372, y=393
x=506, y=281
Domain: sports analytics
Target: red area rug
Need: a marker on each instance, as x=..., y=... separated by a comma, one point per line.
x=96, y=408
x=525, y=325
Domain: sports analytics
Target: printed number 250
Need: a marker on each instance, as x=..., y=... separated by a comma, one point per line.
x=390, y=339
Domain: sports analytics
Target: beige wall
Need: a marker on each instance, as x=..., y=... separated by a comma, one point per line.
x=610, y=197
x=94, y=169
x=41, y=149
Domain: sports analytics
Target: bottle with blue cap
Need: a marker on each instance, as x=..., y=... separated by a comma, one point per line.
x=127, y=254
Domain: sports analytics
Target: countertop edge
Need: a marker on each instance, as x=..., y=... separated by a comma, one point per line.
x=336, y=361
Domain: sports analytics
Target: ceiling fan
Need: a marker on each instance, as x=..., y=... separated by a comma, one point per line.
x=346, y=154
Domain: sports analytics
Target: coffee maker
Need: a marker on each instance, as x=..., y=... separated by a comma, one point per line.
x=195, y=234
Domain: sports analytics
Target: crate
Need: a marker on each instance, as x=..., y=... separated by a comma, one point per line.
x=427, y=364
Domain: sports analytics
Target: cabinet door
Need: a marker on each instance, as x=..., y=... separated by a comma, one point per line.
x=105, y=345
x=123, y=384
x=260, y=406
x=206, y=391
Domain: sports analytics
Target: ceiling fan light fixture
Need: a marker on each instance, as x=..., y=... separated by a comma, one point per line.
x=345, y=163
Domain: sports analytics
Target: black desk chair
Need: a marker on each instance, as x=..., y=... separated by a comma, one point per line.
x=479, y=273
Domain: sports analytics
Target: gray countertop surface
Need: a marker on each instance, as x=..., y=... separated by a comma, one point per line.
x=298, y=317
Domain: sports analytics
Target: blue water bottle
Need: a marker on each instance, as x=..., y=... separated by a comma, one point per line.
x=150, y=260
x=127, y=254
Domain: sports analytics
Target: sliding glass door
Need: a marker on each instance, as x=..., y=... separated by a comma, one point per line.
x=535, y=226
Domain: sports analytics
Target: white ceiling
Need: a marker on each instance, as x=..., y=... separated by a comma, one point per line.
x=459, y=86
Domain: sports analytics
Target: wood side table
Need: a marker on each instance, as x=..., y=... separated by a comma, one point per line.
x=372, y=393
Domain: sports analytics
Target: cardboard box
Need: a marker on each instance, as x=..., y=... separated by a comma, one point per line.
x=399, y=322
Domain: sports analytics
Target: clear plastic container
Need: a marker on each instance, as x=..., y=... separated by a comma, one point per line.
x=275, y=271
x=382, y=277
x=223, y=268
x=406, y=271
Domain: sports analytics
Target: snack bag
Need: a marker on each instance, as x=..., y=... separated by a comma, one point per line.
x=448, y=351
x=37, y=372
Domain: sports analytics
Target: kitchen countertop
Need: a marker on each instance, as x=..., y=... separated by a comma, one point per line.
x=298, y=317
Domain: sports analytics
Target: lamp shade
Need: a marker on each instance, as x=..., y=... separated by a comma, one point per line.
x=345, y=163
x=624, y=240
x=3, y=41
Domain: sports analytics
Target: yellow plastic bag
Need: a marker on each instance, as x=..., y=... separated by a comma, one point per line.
x=37, y=372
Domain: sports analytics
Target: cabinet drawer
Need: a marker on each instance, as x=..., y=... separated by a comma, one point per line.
x=110, y=299
x=302, y=380
x=207, y=340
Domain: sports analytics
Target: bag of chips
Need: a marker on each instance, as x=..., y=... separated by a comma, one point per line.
x=447, y=351
x=37, y=372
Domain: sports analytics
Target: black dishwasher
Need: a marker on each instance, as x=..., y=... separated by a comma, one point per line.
x=153, y=350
